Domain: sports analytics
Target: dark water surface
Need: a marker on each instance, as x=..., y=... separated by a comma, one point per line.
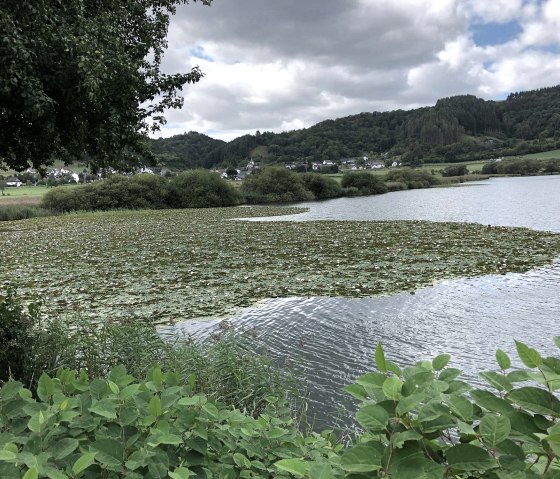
x=333, y=339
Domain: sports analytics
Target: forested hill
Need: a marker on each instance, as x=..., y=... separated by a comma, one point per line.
x=454, y=129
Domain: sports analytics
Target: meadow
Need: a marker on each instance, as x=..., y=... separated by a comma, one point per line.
x=174, y=265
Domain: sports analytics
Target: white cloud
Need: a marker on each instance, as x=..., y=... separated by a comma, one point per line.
x=290, y=64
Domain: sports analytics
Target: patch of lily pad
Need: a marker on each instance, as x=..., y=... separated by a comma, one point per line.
x=175, y=265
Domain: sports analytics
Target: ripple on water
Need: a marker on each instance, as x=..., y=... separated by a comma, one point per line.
x=333, y=340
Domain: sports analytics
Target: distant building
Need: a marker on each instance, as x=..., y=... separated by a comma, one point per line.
x=13, y=181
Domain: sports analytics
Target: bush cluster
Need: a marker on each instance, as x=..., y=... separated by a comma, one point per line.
x=362, y=183
x=275, y=184
x=410, y=179
x=522, y=166
x=191, y=189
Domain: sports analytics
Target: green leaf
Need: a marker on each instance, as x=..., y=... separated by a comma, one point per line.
x=466, y=457
x=356, y=391
x=276, y=433
x=83, y=462
x=197, y=400
x=109, y=452
x=380, y=358
x=32, y=473
x=503, y=359
x=490, y=401
x=363, y=458
x=211, y=410
x=297, y=467
x=408, y=403
x=494, y=429
x=6, y=455
x=10, y=390
x=461, y=407
x=392, y=387
x=439, y=362
x=105, y=408
x=155, y=405
x=536, y=400
x=171, y=439
x=499, y=381
x=321, y=471
x=64, y=447
x=373, y=417
x=399, y=438
x=449, y=374
x=45, y=387
x=529, y=356
x=415, y=466
x=241, y=460
x=557, y=341
x=181, y=473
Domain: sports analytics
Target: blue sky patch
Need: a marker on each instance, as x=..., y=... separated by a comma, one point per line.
x=486, y=34
x=199, y=52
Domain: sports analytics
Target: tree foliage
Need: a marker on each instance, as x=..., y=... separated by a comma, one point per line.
x=365, y=183
x=275, y=184
x=82, y=79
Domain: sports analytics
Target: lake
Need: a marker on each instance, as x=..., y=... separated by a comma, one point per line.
x=332, y=340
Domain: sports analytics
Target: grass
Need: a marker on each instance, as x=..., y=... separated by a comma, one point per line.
x=174, y=265
x=545, y=155
x=26, y=195
x=22, y=212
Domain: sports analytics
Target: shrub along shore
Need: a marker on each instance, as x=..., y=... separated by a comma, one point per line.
x=275, y=184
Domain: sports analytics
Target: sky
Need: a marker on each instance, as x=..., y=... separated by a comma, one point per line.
x=279, y=65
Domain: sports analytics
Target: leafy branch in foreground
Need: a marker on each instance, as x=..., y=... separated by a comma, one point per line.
x=420, y=421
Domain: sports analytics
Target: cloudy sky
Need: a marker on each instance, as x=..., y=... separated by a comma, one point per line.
x=276, y=65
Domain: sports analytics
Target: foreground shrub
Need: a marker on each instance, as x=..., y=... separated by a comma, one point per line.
x=228, y=368
x=119, y=427
x=366, y=183
x=321, y=186
x=201, y=189
x=275, y=184
x=420, y=421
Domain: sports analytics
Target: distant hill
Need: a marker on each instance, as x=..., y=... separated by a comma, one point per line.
x=458, y=128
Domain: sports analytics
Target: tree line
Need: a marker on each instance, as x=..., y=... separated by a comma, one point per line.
x=459, y=128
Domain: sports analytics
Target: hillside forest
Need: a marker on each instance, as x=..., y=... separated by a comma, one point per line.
x=459, y=128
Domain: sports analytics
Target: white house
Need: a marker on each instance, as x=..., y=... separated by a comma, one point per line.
x=13, y=181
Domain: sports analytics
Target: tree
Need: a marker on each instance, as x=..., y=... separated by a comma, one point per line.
x=231, y=173
x=275, y=184
x=83, y=77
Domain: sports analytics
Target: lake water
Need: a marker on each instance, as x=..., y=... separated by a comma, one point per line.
x=333, y=340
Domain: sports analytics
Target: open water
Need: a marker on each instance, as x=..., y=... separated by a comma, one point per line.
x=332, y=340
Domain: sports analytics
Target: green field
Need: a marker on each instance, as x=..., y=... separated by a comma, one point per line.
x=173, y=265
x=545, y=155
x=25, y=195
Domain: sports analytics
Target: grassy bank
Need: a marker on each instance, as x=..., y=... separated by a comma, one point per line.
x=176, y=265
